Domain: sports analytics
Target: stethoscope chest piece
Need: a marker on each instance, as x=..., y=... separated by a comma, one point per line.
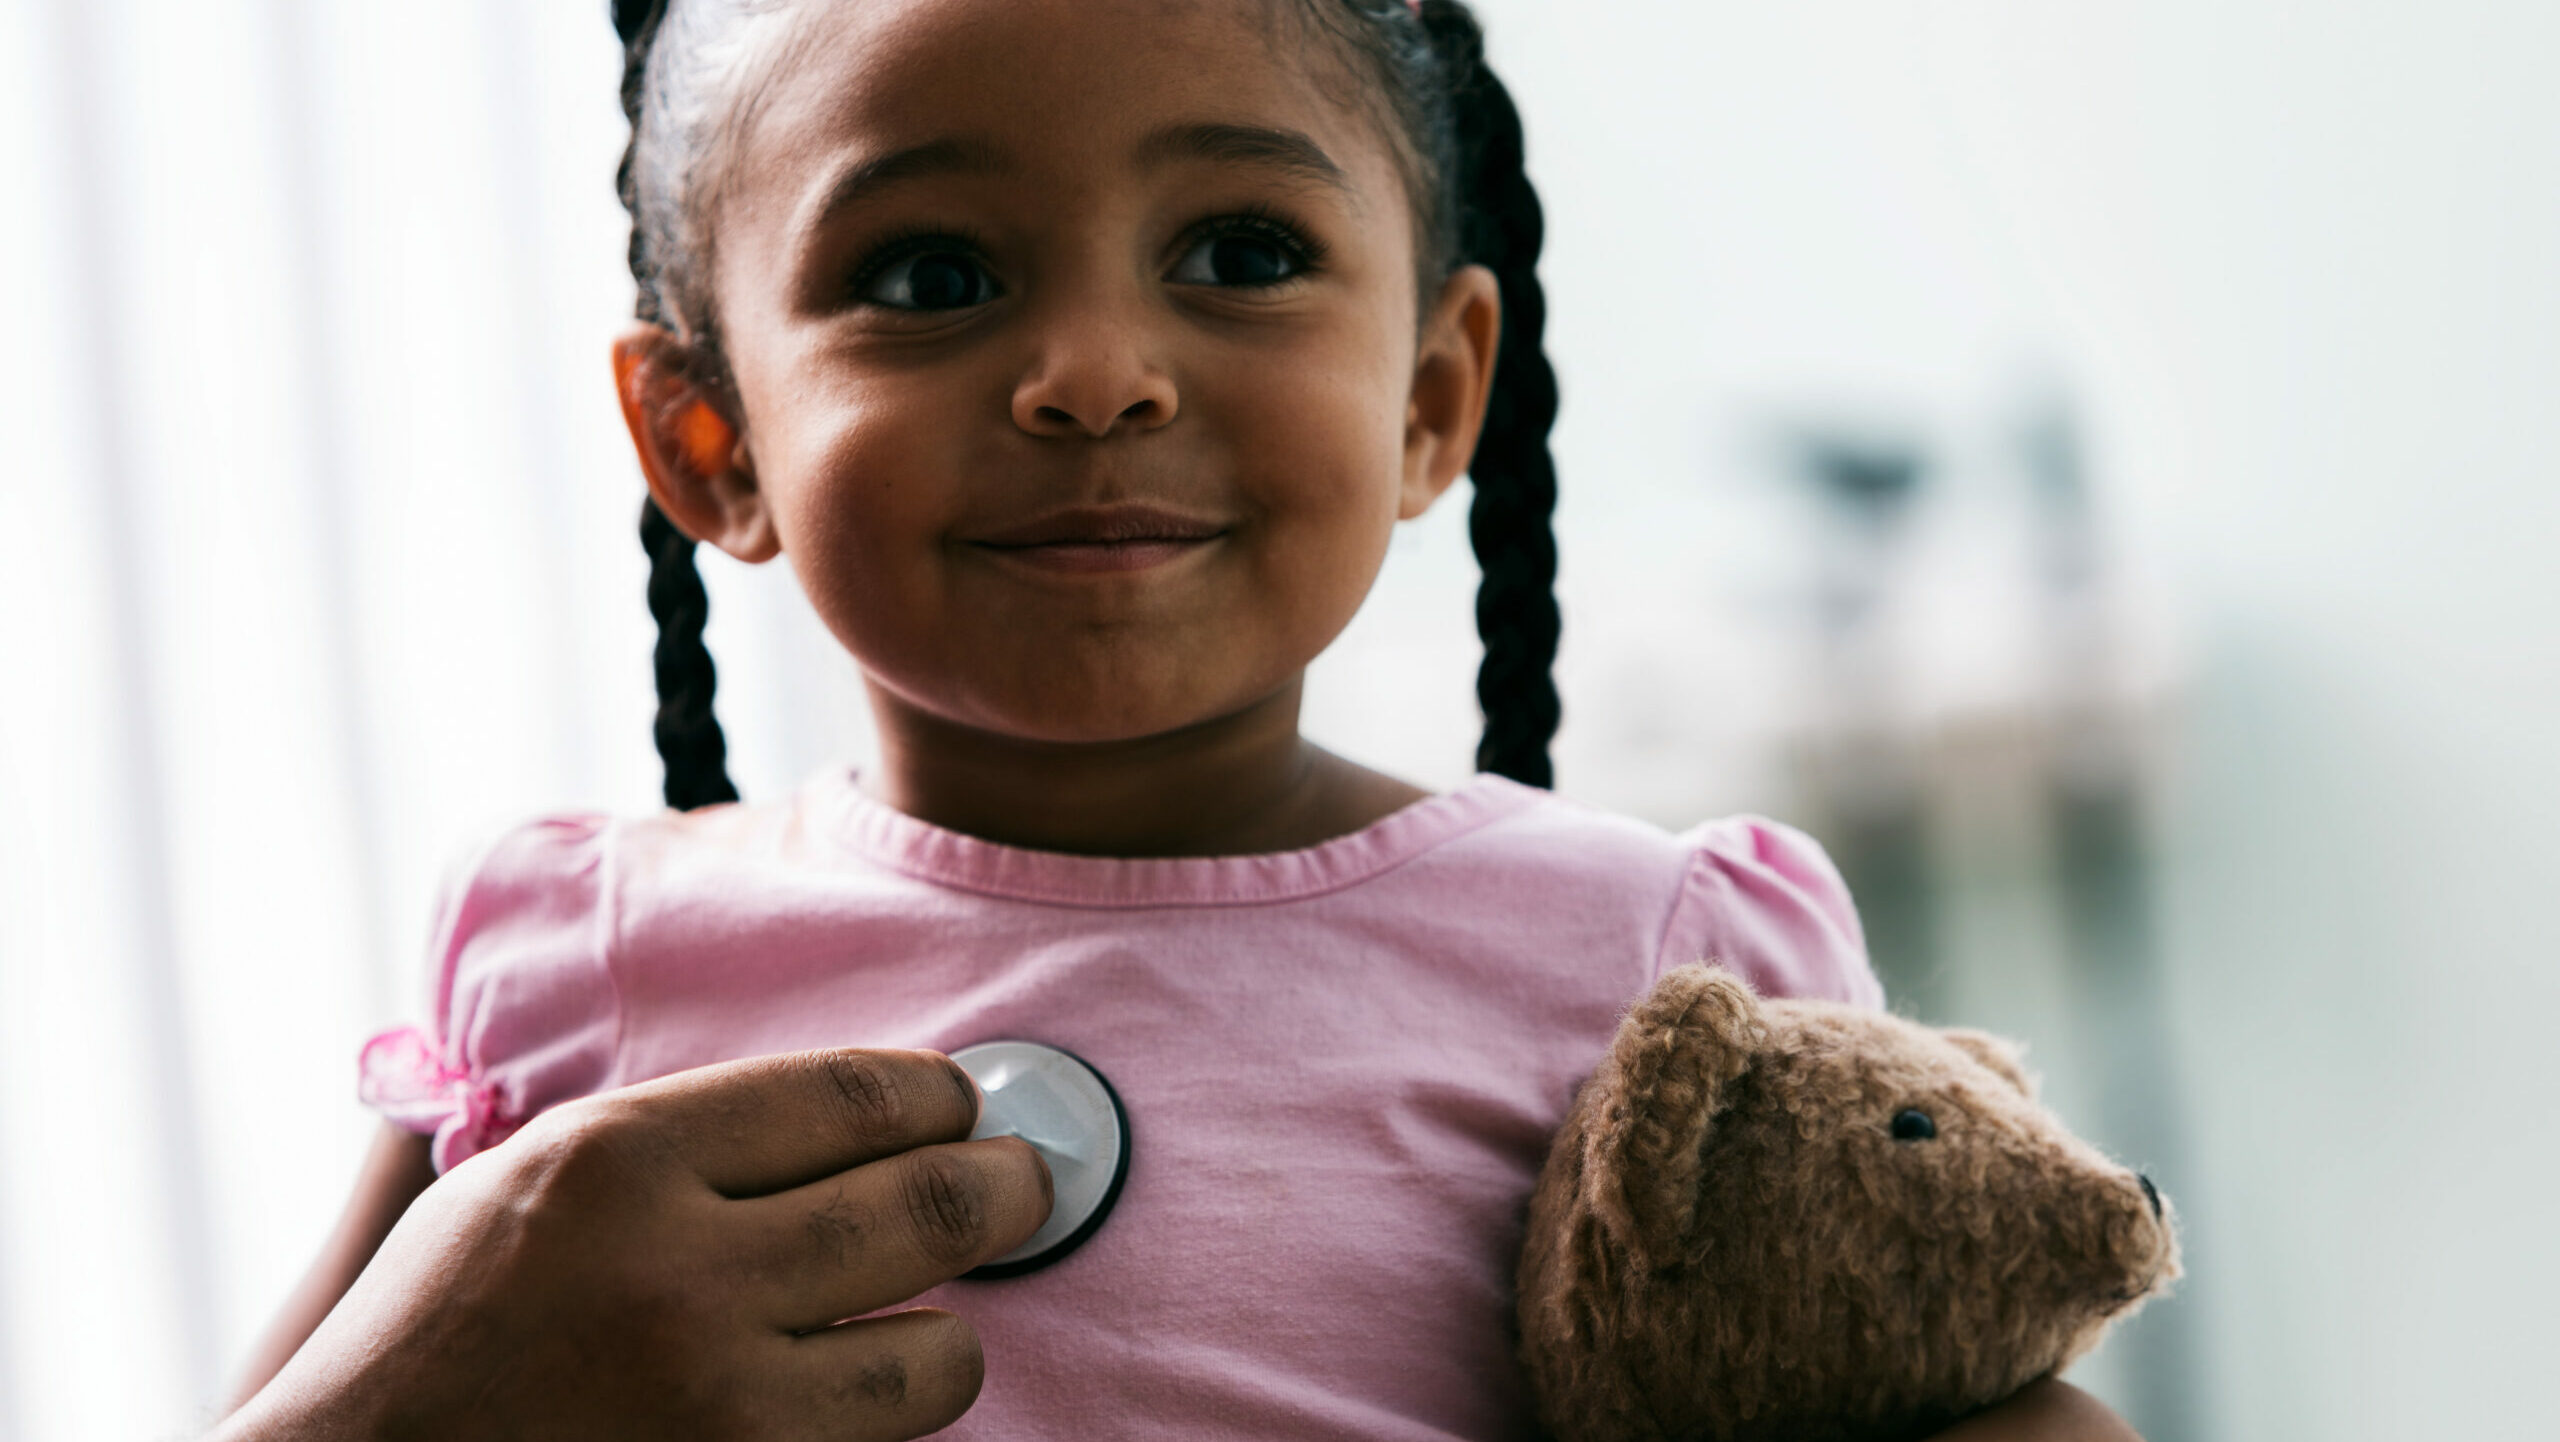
x=1056, y=1101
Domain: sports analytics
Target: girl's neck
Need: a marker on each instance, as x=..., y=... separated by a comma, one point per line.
x=1234, y=786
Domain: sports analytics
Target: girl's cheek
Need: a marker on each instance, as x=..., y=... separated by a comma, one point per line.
x=869, y=456
x=1341, y=422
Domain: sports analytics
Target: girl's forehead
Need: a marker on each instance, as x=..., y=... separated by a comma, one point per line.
x=1051, y=84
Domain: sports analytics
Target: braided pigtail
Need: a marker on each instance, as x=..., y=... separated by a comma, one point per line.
x=696, y=755
x=690, y=744
x=1501, y=227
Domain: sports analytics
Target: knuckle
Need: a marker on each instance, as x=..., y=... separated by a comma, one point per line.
x=866, y=1097
x=575, y=1149
x=879, y=1382
x=947, y=1206
x=932, y=1375
x=838, y=1230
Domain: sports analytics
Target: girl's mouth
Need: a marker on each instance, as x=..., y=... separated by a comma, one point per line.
x=1087, y=540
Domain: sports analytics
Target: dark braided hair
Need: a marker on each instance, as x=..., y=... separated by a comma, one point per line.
x=1501, y=227
x=690, y=744
x=1466, y=166
x=1460, y=142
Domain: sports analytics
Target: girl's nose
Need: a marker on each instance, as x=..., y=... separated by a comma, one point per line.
x=1092, y=378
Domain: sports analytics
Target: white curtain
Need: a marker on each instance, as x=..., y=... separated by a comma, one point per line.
x=317, y=511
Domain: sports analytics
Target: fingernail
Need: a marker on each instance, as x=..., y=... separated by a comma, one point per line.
x=975, y=1099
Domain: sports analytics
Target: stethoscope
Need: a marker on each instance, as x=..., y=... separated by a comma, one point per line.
x=1057, y=1102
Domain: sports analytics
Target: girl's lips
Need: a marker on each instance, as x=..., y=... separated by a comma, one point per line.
x=1102, y=525
x=1087, y=540
x=1094, y=557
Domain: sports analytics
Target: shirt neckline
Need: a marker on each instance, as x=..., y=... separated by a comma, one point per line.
x=926, y=852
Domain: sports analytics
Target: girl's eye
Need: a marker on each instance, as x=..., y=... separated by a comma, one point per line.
x=930, y=280
x=1237, y=259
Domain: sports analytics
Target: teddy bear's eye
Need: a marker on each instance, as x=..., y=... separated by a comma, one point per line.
x=1913, y=1125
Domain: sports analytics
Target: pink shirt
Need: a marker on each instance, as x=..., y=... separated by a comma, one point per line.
x=1341, y=1065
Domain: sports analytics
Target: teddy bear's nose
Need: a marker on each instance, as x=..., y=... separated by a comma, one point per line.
x=2150, y=1193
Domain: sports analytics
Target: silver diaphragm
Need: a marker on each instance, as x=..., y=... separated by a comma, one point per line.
x=1056, y=1101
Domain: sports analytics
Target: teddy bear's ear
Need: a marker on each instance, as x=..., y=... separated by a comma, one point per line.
x=1998, y=1053
x=1667, y=1076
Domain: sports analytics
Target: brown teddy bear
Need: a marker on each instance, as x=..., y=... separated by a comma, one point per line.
x=1800, y=1220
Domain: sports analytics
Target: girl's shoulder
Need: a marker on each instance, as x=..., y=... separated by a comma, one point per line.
x=1757, y=896
x=524, y=1006
x=515, y=952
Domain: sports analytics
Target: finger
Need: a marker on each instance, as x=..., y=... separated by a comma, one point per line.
x=879, y=1234
x=883, y=1378
x=768, y=1124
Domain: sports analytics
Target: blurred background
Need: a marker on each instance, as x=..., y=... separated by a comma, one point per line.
x=2092, y=464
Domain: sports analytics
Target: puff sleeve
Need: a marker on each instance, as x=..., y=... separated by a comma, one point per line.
x=522, y=1011
x=1764, y=901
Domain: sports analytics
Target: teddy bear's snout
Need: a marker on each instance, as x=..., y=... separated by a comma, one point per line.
x=2144, y=1244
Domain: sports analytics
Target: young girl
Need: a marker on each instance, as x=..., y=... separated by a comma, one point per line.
x=1082, y=356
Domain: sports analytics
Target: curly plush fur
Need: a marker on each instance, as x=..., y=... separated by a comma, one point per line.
x=1730, y=1243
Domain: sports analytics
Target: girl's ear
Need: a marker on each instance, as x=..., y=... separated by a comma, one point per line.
x=1452, y=376
x=690, y=448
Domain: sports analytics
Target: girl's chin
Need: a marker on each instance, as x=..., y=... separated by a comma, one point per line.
x=1125, y=717
x=1119, y=727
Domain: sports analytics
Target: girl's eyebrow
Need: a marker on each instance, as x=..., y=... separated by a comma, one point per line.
x=1289, y=151
x=859, y=181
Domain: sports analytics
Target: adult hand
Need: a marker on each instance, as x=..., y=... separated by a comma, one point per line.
x=666, y=1261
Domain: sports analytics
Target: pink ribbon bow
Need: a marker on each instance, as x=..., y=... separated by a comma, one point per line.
x=402, y=1074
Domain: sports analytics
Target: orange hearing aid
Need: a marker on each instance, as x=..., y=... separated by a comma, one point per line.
x=706, y=436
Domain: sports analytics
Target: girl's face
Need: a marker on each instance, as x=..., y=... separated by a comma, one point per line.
x=1075, y=354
